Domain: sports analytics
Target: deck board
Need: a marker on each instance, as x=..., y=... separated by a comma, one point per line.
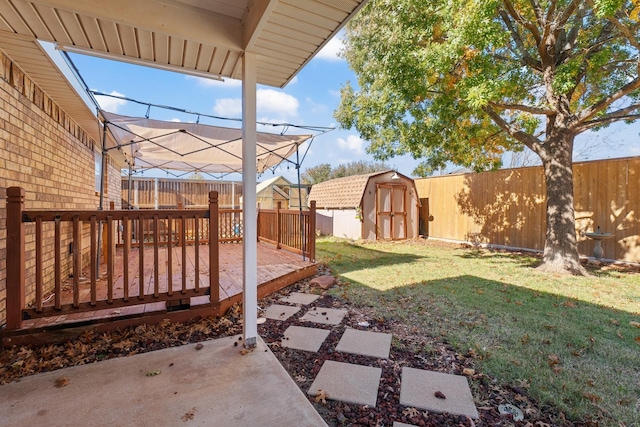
x=273, y=264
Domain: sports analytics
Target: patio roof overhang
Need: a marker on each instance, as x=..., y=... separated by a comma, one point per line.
x=204, y=38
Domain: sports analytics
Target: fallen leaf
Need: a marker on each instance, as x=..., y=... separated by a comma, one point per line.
x=468, y=371
x=411, y=412
x=520, y=398
x=619, y=335
x=189, y=415
x=569, y=304
x=322, y=396
x=636, y=324
x=525, y=339
x=553, y=360
x=614, y=322
x=439, y=395
x=62, y=382
x=301, y=378
x=199, y=346
x=637, y=340
x=154, y=373
x=592, y=397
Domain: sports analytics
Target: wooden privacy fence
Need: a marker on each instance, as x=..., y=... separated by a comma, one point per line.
x=508, y=207
x=157, y=193
x=290, y=228
x=17, y=217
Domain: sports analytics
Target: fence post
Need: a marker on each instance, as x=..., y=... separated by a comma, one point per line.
x=15, y=258
x=311, y=235
x=214, y=268
x=278, y=225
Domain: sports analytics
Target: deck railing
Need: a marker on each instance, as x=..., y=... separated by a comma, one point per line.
x=107, y=226
x=185, y=230
x=82, y=245
x=290, y=228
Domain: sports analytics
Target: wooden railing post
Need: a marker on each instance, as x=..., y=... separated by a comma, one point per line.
x=214, y=268
x=278, y=225
x=15, y=258
x=311, y=235
x=180, y=228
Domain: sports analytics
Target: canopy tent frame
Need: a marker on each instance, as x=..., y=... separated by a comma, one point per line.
x=248, y=169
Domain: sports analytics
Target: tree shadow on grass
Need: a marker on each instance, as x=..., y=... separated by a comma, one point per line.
x=522, y=258
x=567, y=350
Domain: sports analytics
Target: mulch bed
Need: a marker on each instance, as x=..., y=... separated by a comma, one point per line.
x=407, y=350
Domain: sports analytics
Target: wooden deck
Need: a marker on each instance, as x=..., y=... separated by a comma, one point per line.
x=277, y=268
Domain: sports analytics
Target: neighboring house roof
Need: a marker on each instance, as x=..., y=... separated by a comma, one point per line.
x=341, y=193
x=266, y=184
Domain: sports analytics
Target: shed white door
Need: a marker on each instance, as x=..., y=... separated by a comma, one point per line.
x=391, y=217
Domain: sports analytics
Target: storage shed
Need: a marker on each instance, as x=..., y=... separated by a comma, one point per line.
x=375, y=206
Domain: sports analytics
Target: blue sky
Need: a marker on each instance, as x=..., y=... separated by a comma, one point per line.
x=310, y=99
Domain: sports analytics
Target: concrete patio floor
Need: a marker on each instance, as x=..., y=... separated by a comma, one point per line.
x=180, y=386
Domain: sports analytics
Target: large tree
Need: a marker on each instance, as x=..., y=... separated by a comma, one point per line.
x=463, y=81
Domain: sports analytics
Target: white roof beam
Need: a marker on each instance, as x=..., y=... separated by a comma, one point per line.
x=258, y=14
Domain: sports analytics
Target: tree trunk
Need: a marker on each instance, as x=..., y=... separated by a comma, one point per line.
x=560, y=248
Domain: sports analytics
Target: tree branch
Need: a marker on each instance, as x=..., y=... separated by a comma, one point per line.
x=588, y=113
x=526, y=58
x=520, y=19
x=568, y=11
x=538, y=11
x=528, y=140
x=625, y=31
x=616, y=116
x=521, y=107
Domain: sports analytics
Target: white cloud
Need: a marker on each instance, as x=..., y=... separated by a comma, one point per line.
x=228, y=107
x=110, y=104
x=274, y=105
x=352, y=143
x=226, y=83
x=330, y=51
x=293, y=81
x=176, y=120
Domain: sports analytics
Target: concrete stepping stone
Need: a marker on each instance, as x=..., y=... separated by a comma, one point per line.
x=300, y=298
x=418, y=389
x=301, y=338
x=327, y=316
x=365, y=343
x=346, y=382
x=399, y=424
x=280, y=312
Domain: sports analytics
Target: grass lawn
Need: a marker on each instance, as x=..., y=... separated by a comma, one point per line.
x=572, y=342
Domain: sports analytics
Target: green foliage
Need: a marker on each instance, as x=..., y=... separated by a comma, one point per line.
x=325, y=172
x=465, y=81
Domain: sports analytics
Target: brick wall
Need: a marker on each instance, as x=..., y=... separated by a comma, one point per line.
x=45, y=152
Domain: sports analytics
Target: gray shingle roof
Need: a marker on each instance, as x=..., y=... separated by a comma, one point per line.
x=341, y=193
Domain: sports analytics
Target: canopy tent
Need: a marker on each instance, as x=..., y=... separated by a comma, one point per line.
x=155, y=144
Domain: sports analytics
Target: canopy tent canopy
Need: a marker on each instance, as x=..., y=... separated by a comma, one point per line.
x=193, y=147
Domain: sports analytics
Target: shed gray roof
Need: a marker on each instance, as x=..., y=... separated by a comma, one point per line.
x=341, y=193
